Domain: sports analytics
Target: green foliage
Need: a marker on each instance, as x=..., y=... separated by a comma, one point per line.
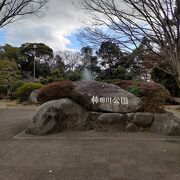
x=42, y=51
x=8, y=71
x=16, y=85
x=59, y=63
x=43, y=54
x=43, y=81
x=118, y=73
x=42, y=69
x=24, y=91
x=109, y=52
x=9, y=52
x=52, y=79
x=54, y=91
x=167, y=80
x=73, y=75
x=56, y=75
x=14, y=88
x=134, y=89
x=8, y=74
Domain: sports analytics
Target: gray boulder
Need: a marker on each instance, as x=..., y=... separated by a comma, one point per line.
x=56, y=115
x=130, y=116
x=131, y=127
x=143, y=119
x=111, y=122
x=33, y=97
x=84, y=91
x=91, y=119
x=166, y=123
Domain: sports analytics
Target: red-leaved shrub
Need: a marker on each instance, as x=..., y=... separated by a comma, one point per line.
x=55, y=91
x=124, y=84
x=152, y=94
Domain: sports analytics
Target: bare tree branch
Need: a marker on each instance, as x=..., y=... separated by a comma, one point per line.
x=11, y=9
x=127, y=22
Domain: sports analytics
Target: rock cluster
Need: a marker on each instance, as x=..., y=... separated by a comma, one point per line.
x=57, y=115
x=80, y=113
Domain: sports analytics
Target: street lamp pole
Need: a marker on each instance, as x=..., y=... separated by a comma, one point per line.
x=34, y=71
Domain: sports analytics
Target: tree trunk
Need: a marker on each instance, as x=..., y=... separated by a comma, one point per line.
x=178, y=65
x=178, y=42
x=178, y=74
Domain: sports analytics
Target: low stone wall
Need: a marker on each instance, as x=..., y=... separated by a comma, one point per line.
x=164, y=123
x=58, y=115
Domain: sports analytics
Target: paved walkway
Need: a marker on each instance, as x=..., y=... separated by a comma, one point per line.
x=175, y=109
x=83, y=155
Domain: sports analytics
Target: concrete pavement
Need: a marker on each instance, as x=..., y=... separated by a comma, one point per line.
x=83, y=155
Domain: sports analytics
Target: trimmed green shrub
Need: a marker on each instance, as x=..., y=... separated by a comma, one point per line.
x=54, y=91
x=134, y=89
x=24, y=91
x=16, y=85
x=14, y=88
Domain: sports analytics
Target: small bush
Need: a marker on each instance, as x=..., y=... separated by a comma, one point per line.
x=124, y=84
x=152, y=94
x=43, y=81
x=14, y=88
x=24, y=91
x=134, y=89
x=54, y=91
x=16, y=85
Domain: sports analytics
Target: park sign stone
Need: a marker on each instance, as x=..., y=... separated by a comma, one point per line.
x=90, y=93
x=84, y=111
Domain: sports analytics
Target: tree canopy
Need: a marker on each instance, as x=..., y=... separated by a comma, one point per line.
x=128, y=22
x=9, y=73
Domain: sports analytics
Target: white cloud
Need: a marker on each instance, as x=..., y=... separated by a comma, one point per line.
x=61, y=19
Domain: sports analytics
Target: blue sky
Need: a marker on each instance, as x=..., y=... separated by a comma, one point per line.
x=56, y=27
x=73, y=45
x=2, y=37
